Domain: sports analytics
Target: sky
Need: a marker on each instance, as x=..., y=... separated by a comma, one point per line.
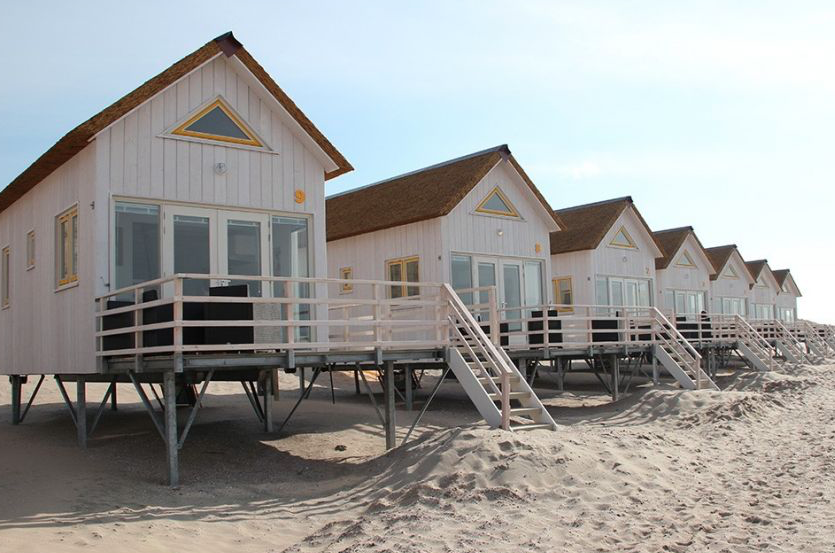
x=718, y=115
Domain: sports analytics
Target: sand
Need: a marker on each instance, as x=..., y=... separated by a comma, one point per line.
x=751, y=468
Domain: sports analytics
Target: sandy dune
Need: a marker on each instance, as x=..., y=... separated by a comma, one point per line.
x=751, y=468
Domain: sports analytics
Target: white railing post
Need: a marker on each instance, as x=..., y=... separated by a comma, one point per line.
x=376, y=317
x=495, y=327
x=289, y=293
x=137, y=322
x=178, y=315
x=505, y=378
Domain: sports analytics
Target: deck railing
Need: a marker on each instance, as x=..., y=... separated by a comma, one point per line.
x=191, y=313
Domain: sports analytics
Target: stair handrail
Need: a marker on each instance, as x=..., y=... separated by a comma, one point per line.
x=681, y=342
x=754, y=335
x=487, y=346
x=484, y=370
x=792, y=341
x=811, y=334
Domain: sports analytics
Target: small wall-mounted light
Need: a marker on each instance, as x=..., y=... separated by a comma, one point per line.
x=220, y=168
x=500, y=232
x=625, y=259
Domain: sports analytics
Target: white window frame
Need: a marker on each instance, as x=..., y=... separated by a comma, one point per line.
x=70, y=279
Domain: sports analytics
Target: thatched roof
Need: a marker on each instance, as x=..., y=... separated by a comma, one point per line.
x=78, y=138
x=586, y=225
x=670, y=242
x=781, y=275
x=719, y=256
x=417, y=196
x=756, y=268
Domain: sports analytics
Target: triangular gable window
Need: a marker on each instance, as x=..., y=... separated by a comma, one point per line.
x=685, y=260
x=496, y=203
x=218, y=122
x=730, y=272
x=623, y=240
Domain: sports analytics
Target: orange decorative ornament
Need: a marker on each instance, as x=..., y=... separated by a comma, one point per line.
x=299, y=195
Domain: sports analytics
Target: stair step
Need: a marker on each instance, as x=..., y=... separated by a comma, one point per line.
x=513, y=395
x=535, y=426
x=524, y=411
x=497, y=379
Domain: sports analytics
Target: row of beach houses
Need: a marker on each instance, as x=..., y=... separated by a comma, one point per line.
x=480, y=221
x=183, y=235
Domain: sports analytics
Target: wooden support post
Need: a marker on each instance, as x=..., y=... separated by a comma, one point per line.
x=357, y=381
x=407, y=375
x=388, y=388
x=301, y=380
x=561, y=374
x=17, y=383
x=171, y=438
x=113, y=403
x=654, y=369
x=615, y=368
x=81, y=411
x=268, y=401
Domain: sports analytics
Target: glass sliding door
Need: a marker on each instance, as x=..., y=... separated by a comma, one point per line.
x=191, y=245
x=291, y=258
x=136, y=255
x=462, y=276
x=485, y=276
x=512, y=293
x=244, y=249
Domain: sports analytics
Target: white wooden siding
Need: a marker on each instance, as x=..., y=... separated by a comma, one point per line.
x=44, y=330
x=676, y=277
x=578, y=266
x=728, y=287
x=366, y=254
x=465, y=231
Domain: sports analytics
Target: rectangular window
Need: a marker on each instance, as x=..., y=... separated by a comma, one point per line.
x=462, y=276
x=403, y=270
x=66, y=233
x=291, y=258
x=564, y=293
x=30, y=249
x=346, y=273
x=136, y=244
x=5, y=275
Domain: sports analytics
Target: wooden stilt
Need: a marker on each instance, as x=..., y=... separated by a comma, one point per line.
x=113, y=403
x=171, y=438
x=615, y=368
x=268, y=402
x=301, y=380
x=357, y=381
x=654, y=369
x=81, y=411
x=561, y=366
x=17, y=384
x=388, y=387
x=407, y=374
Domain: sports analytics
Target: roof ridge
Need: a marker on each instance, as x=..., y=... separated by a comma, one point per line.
x=592, y=204
x=500, y=148
x=676, y=229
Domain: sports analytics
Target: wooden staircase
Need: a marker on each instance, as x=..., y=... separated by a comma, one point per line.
x=752, y=346
x=494, y=384
x=678, y=356
x=816, y=345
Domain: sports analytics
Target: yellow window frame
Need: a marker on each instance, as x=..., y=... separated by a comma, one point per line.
x=30, y=249
x=6, y=255
x=628, y=245
x=67, y=246
x=558, y=297
x=218, y=102
x=497, y=192
x=405, y=289
x=688, y=261
x=346, y=273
